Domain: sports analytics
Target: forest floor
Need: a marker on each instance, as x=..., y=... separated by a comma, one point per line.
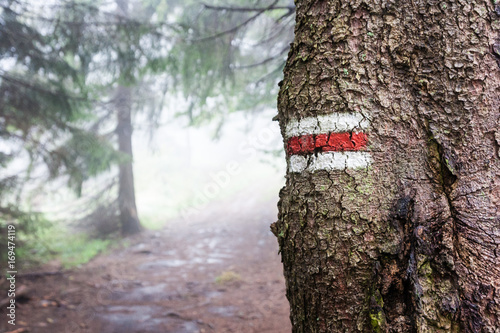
x=216, y=272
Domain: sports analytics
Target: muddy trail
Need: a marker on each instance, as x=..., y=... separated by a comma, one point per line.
x=219, y=271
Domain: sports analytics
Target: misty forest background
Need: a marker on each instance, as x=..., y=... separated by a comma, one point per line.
x=96, y=96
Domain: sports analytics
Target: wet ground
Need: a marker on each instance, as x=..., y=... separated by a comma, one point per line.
x=218, y=271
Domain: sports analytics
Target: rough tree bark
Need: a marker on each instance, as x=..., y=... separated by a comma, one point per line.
x=129, y=219
x=408, y=240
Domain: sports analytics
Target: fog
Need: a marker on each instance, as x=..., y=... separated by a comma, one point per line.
x=182, y=169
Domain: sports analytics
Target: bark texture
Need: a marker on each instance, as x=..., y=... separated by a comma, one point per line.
x=409, y=244
x=126, y=192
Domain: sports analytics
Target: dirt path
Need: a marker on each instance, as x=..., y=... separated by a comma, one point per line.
x=218, y=272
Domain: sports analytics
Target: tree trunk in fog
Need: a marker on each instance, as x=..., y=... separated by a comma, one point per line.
x=129, y=219
x=390, y=220
x=126, y=192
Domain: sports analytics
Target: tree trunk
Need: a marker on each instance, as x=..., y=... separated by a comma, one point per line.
x=126, y=192
x=390, y=220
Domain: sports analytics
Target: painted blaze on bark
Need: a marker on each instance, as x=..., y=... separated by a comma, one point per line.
x=406, y=241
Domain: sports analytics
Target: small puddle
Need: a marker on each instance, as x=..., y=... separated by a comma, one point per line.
x=216, y=258
x=147, y=293
x=223, y=311
x=162, y=263
x=140, y=318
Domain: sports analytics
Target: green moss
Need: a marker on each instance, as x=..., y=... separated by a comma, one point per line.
x=377, y=317
x=448, y=165
x=377, y=320
x=227, y=277
x=302, y=222
x=81, y=250
x=378, y=298
x=426, y=270
x=366, y=185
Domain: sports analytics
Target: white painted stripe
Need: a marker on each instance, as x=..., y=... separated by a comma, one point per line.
x=322, y=124
x=330, y=161
x=298, y=163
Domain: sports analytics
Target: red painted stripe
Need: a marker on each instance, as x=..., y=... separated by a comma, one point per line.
x=326, y=142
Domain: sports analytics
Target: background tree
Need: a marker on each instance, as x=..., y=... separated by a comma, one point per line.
x=402, y=237
x=129, y=219
x=44, y=100
x=229, y=56
x=60, y=67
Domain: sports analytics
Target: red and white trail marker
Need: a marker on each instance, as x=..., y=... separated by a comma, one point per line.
x=327, y=142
